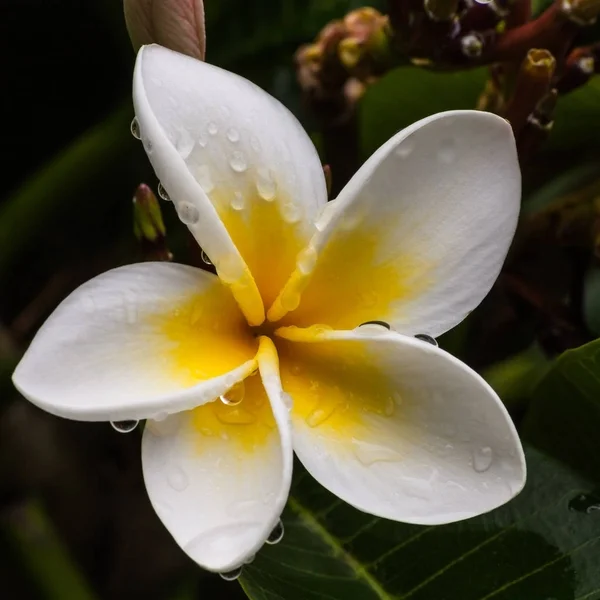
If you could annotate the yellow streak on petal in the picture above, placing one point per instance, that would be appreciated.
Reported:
(248, 425)
(351, 285)
(207, 336)
(266, 241)
(336, 386)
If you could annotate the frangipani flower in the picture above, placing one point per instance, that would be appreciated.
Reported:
(235, 372)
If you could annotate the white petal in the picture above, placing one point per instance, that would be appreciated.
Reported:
(135, 342)
(419, 235)
(397, 427)
(219, 488)
(235, 155)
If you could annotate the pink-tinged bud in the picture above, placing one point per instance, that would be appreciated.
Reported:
(174, 24)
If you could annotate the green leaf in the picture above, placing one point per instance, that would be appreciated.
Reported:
(591, 300)
(541, 546)
(577, 119)
(408, 94)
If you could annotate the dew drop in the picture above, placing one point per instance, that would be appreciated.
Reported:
(375, 326)
(163, 193)
(233, 135)
(276, 535)
(135, 129)
(235, 415)
(307, 260)
(426, 338)
(177, 479)
(124, 426)
(185, 143)
(238, 162)
(232, 575)
(234, 395)
(471, 45)
(266, 185)
(585, 503)
(369, 453)
(482, 459)
(447, 151)
(319, 415)
(238, 202)
(213, 128)
(250, 560)
(205, 259)
(291, 212)
(204, 178)
(202, 140)
(405, 149)
(188, 213)
(389, 407)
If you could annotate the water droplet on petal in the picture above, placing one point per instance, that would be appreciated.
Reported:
(235, 415)
(135, 129)
(238, 162)
(291, 212)
(426, 338)
(163, 193)
(369, 453)
(266, 184)
(405, 149)
(277, 534)
(202, 140)
(185, 143)
(447, 151)
(188, 213)
(232, 575)
(205, 259)
(374, 327)
(319, 415)
(238, 202)
(124, 426)
(482, 459)
(250, 560)
(234, 395)
(307, 260)
(177, 479)
(213, 128)
(204, 178)
(389, 407)
(233, 135)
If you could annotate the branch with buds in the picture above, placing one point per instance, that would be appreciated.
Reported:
(532, 61)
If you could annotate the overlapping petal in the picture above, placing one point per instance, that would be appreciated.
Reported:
(137, 341)
(242, 172)
(219, 476)
(418, 236)
(397, 427)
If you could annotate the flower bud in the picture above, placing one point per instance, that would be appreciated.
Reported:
(174, 24)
